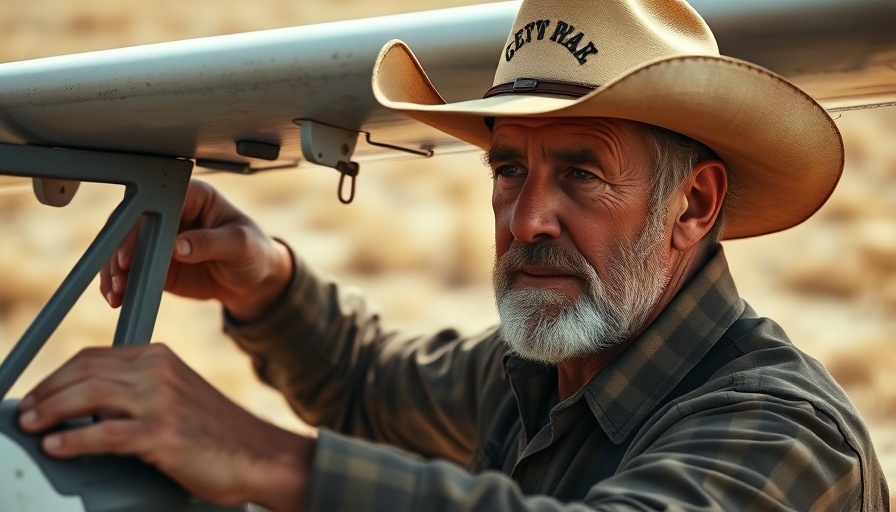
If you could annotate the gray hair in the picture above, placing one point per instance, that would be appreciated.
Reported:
(674, 156)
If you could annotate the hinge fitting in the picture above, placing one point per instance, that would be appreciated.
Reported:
(331, 146)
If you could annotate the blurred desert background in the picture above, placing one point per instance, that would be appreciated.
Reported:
(418, 238)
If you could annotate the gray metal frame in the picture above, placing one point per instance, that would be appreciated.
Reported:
(155, 188)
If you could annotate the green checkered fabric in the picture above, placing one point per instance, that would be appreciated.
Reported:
(711, 408)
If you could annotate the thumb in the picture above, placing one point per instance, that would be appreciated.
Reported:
(223, 243)
(183, 248)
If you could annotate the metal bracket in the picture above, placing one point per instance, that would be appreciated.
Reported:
(331, 146)
(327, 145)
(155, 188)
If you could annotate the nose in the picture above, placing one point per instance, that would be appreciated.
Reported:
(536, 212)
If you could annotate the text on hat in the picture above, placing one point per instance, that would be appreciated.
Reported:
(561, 36)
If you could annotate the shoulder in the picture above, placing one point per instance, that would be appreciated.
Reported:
(769, 363)
(773, 389)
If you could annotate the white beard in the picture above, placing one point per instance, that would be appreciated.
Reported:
(544, 325)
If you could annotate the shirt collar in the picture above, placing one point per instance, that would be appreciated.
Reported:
(633, 383)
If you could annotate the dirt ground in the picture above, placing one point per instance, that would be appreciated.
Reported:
(418, 238)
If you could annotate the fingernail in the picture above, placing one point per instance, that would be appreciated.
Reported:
(116, 284)
(29, 417)
(183, 247)
(109, 297)
(53, 442)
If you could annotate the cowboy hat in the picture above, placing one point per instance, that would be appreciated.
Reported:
(656, 62)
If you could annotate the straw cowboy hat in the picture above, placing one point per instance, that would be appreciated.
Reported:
(653, 61)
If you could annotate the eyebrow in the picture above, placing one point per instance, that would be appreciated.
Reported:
(570, 156)
(500, 153)
(577, 156)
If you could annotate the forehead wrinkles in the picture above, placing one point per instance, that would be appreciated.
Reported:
(622, 134)
(617, 145)
(622, 144)
(612, 136)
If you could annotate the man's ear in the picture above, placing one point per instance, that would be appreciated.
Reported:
(699, 202)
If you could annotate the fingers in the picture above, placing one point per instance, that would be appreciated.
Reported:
(95, 397)
(110, 383)
(109, 363)
(230, 243)
(115, 436)
(114, 274)
(211, 231)
(93, 383)
(157, 408)
(114, 277)
(106, 286)
(212, 228)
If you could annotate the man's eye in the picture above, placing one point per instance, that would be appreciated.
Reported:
(581, 174)
(507, 171)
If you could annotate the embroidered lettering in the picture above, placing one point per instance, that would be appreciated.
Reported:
(561, 32)
(561, 36)
(529, 27)
(518, 39)
(538, 27)
(572, 44)
(582, 55)
(541, 26)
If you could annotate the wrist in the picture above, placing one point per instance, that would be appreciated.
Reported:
(282, 486)
(251, 306)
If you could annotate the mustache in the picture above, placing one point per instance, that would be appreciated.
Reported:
(548, 253)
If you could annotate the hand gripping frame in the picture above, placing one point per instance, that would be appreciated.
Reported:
(155, 188)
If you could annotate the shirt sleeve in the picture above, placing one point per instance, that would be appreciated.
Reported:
(353, 475)
(328, 353)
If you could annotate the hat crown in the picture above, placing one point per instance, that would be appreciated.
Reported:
(594, 42)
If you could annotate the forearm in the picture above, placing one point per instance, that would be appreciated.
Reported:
(303, 343)
(325, 350)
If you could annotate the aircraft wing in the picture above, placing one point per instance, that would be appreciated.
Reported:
(201, 98)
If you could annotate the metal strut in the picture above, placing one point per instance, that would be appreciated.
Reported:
(155, 188)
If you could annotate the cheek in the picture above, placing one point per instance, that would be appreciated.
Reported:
(503, 213)
(598, 237)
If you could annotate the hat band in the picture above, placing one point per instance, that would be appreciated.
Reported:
(534, 86)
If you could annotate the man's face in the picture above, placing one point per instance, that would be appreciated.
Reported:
(580, 258)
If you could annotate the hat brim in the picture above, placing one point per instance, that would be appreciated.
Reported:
(783, 151)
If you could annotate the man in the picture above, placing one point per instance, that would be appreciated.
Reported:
(626, 373)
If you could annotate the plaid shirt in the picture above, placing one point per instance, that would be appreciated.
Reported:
(711, 408)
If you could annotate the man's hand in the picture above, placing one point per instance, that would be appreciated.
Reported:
(220, 253)
(152, 405)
